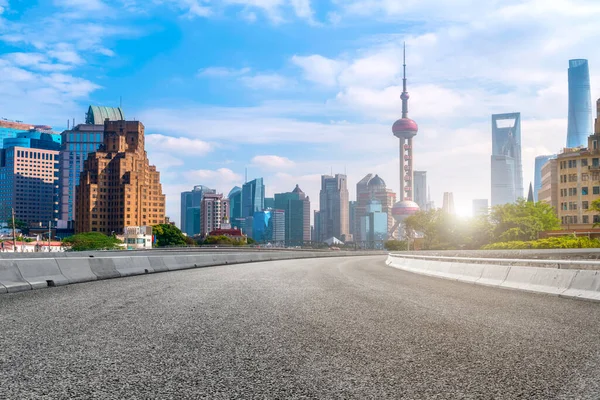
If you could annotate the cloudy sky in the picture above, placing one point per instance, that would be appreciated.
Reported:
(292, 89)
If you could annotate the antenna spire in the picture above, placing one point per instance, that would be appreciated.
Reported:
(404, 96)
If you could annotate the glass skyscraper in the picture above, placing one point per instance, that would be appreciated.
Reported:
(296, 206)
(253, 197)
(506, 165)
(580, 104)
(537, 178)
(235, 207)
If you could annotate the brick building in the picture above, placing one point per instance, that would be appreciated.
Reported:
(118, 187)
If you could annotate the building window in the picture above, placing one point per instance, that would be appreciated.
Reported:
(596, 190)
(584, 205)
(586, 219)
(596, 219)
(595, 162)
(584, 162)
(585, 177)
(584, 191)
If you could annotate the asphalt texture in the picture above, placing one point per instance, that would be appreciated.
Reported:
(346, 328)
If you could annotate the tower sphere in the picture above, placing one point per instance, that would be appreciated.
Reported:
(405, 128)
(404, 209)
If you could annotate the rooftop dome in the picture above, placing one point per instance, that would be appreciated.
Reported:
(376, 181)
(405, 127)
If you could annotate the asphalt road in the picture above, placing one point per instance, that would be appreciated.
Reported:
(329, 328)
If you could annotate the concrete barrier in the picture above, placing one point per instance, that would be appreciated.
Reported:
(581, 284)
(41, 273)
(104, 268)
(157, 263)
(76, 270)
(585, 284)
(128, 266)
(11, 278)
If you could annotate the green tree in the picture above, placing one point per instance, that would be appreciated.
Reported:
(91, 241)
(168, 235)
(395, 245)
(595, 208)
(522, 221)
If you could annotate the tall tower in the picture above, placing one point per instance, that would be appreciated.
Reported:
(405, 129)
(580, 104)
(506, 166)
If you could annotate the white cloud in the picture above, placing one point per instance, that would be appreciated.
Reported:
(267, 82)
(272, 162)
(220, 178)
(178, 145)
(319, 69)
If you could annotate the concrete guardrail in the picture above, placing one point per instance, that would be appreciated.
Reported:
(26, 273)
(540, 276)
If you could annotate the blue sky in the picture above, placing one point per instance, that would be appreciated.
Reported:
(292, 89)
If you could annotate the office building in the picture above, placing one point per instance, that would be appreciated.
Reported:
(578, 184)
(269, 227)
(420, 188)
(191, 203)
(352, 219)
(269, 202)
(480, 207)
(334, 216)
(580, 104)
(77, 143)
(296, 206)
(537, 177)
(253, 197)
(316, 237)
(29, 177)
(235, 207)
(549, 191)
(118, 187)
(506, 166)
(10, 129)
(368, 189)
(448, 203)
(374, 226)
(214, 211)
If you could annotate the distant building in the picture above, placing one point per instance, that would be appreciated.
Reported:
(549, 191)
(235, 207)
(296, 206)
(374, 226)
(316, 237)
(506, 165)
(253, 197)
(578, 183)
(191, 203)
(480, 207)
(334, 218)
(372, 188)
(580, 104)
(269, 203)
(10, 129)
(214, 210)
(231, 233)
(29, 170)
(137, 237)
(118, 187)
(352, 223)
(448, 204)
(537, 178)
(420, 188)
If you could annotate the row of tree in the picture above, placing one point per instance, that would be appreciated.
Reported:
(521, 221)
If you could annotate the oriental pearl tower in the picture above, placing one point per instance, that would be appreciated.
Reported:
(405, 129)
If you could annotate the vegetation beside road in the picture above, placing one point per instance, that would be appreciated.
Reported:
(562, 242)
(92, 241)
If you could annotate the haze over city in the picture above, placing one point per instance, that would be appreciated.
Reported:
(292, 90)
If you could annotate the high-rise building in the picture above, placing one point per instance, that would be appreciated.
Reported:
(506, 166)
(334, 216)
(421, 189)
(10, 129)
(253, 197)
(352, 218)
(580, 104)
(374, 226)
(549, 191)
(118, 187)
(191, 203)
(77, 143)
(316, 237)
(448, 204)
(296, 206)
(537, 177)
(269, 227)
(405, 129)
(579, 182)
(269, 202)
(214, 211)
(480, 207)
(368, 189)
(235, 207)
(29, 176)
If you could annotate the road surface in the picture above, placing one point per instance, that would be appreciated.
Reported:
(326, 328)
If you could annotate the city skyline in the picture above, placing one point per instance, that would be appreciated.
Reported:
(306, 106)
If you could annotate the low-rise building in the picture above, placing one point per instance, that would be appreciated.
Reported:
(137, 237)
